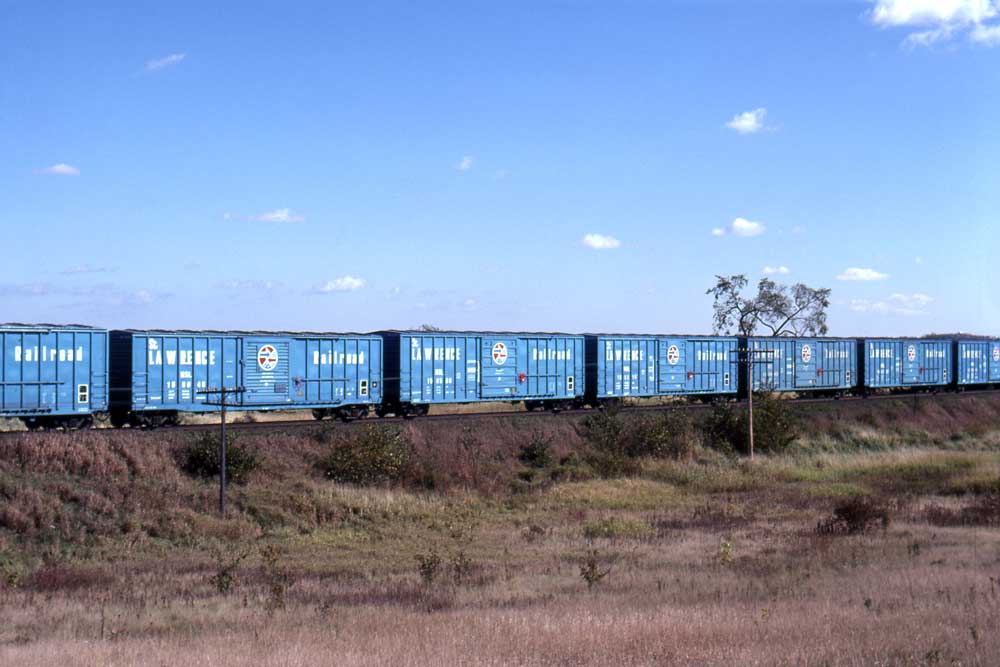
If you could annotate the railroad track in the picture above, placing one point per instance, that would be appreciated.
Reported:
(295, 424)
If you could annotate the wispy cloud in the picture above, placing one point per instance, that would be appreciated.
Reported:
(85, 268)
(342, 284)
(167, 61)
(740, 227)
(855, 273)
(30, 289)
(251, 285)
(465, 164)
(600, 241)
(281, 215)
(748, 122)
(938, 21)
(59, 170)
(776, 271)
(896, 304)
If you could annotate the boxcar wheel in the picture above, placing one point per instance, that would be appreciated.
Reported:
(319, 414)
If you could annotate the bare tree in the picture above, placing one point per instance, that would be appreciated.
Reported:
(782, 310)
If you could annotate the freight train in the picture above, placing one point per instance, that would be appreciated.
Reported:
(74, 376)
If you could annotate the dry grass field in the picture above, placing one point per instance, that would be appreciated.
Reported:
(873, 540)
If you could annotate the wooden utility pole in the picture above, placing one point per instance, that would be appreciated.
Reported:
(222, 393)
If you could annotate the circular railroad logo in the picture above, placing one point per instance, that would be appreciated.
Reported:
(996, 354)
(673, 355)
(267, 357)
(911, 352)
(499, 354)
(807, 354)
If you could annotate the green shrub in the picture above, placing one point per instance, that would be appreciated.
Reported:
(537, 453)
(378, 455)
(856, 515)
(723, 429)
(201, 457)
(775, 426)
(670, 434)
(608, 454)
(572, 468)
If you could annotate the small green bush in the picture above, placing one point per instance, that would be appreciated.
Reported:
(775, 425)
(723, 429)
(201, 457)
(856, 515)
(537, 453)
(378, 455)
(608, 452)
(670, 434)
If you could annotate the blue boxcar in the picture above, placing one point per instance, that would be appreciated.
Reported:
(907, 362)
(623, 365)
(465, 367)
(978, 361)
(53, 375)
(803, 364)
(161, 372)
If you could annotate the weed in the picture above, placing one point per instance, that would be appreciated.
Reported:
(225, 572)
(725, 554)
(590, 569)
(278, 577)
(461, 567)
(428, 565)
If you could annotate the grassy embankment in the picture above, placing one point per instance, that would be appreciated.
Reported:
(111, 553)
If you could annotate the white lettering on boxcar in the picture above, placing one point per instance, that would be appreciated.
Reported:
(47, 354)
(183, 357)
(435, 354)
(551, 355)
(338, 358)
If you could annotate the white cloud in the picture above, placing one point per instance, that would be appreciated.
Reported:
(740, 227)
(343, 284)
(280, 215)
(987, 35)
(929, 12)
(500, 175)
(59, 170)
(748, 122)
(600, 241)
(855, 273)
(465, 164)
(253, 285)
(916, 300)
(776, 270)
(940, 20)
(167, 61)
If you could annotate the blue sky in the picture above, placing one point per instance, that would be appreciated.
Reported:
(576, 166)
